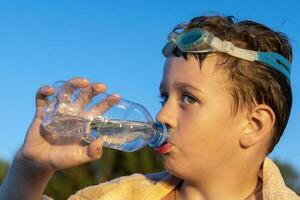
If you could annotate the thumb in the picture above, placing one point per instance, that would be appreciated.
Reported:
(95, 149)
(89, 153)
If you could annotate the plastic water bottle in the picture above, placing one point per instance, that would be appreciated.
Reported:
(124, 125)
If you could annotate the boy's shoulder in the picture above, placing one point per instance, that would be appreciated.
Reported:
(274, 187)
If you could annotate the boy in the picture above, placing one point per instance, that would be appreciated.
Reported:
(226, 99)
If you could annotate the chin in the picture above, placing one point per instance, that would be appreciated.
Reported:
(171, 166)
(181, 169)
(168, 162)
(175, 172)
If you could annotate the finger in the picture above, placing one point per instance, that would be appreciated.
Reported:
(94, 151)
(65, 91)
(103, 106)
(79, 82)
(41, 98)
(99, 87)
(87, 93)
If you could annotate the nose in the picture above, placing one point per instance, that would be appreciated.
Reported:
(167, 115)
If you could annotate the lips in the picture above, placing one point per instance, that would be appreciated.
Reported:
(163, 148)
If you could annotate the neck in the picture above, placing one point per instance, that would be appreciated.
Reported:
(223, 186)
(217, 192)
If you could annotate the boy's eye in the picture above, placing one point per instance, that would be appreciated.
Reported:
(187, 99)
(163, 98)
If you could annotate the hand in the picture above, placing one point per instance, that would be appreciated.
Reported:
(46, 150)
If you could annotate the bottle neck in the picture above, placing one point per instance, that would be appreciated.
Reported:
(160, 135)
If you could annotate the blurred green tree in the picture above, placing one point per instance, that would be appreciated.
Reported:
(3, 169)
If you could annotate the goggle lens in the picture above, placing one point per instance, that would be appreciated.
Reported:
(190, 38)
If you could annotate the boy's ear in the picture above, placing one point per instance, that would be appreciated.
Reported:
(260, 121)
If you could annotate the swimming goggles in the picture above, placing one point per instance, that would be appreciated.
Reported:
(197, 40)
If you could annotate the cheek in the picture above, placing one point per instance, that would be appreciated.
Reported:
(203, 134)
(190, 133)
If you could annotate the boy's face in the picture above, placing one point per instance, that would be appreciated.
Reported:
(197, 110)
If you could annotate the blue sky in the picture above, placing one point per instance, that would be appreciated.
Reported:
(116, 42)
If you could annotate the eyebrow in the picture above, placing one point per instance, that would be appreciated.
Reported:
(180, 85)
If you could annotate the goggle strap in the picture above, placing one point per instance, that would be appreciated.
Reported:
(229, 48)
(274, 60)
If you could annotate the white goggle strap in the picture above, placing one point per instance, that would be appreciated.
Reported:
(229, 48)
(270, 58)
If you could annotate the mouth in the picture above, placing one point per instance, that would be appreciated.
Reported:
(164, 148)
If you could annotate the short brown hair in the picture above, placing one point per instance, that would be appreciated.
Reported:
(251, 83)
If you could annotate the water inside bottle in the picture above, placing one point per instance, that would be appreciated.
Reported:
(122, 134)
(66, 125)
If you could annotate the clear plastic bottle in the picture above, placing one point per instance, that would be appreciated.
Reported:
(124, 125)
